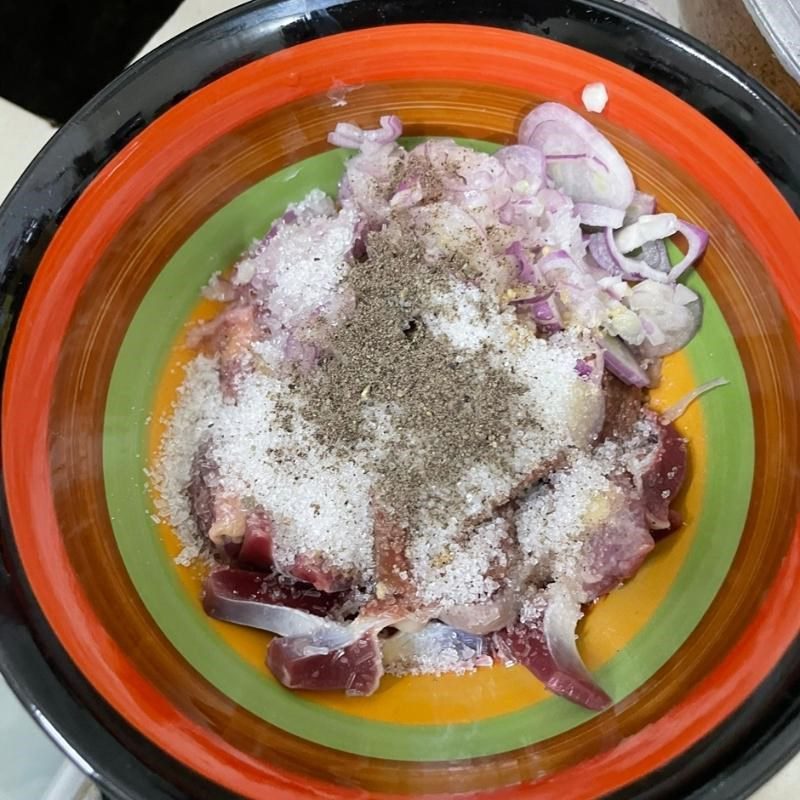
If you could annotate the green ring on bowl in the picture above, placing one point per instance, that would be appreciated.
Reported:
(151, 334)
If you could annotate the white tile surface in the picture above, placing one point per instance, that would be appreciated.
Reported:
(668, 9)
(22, 135)
(26, 777)
(186, 15)
(26, 770)
(784, 786)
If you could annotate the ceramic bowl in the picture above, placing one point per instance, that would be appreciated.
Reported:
(164, 179)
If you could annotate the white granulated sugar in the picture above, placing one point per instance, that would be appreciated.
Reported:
(319, 502)
(309, 266)
(315, 204)
(434, 650)
(533, 608)
(568, 409)
(270, 351)
(198, 399)
(270, 456)
(554, 520)
(458, 315)
(454, 572)
(189, 554)
(300, 269)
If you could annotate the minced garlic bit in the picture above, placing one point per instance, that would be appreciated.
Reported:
(594, 97)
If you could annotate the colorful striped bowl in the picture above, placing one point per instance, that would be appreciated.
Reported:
(170, 185)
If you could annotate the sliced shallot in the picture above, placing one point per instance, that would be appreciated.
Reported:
(620, 361)
(679, 409)
(526, 167)
(597, 216)
(580, 160)
(527, 270)
(697, 240)
(642, 203)
(647, 228)
(608, 256)
(544, 312)
(352, 136)
(546, 646)
(670, 315)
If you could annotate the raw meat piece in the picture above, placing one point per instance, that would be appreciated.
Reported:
(229, 586)
(299, 662)
(623, 408)
(313, 568)
(617, 550)
(256, 549)
(394, 584)
(229, 337)
(663, 479)
(218, 517)
(546, 646)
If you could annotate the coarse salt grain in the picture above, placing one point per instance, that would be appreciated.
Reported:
(555, 520)
(434, 650)
(457, 573)
(191, 419)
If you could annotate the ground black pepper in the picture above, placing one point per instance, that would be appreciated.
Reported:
(449, 408)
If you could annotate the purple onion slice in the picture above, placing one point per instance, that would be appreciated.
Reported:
(580, 160)
(620, 361)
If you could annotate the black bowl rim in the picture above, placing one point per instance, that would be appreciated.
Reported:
(736, 758)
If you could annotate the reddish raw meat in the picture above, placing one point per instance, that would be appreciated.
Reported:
(312, 568)
(229, 337)
(229, 585)
(299, 663)
(617, 550)
(218, 516)
(623, 408)
(546, 646)
(203, 479)
(392, 569)
(663, 479)
(256, 549)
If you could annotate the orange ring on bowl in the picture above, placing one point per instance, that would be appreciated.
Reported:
(400, 52)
